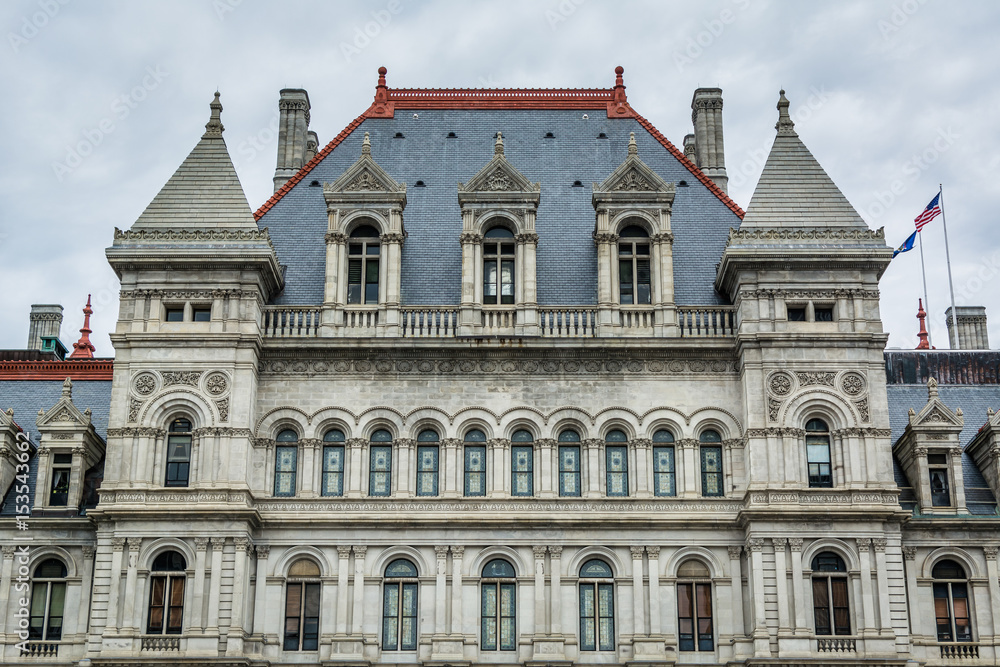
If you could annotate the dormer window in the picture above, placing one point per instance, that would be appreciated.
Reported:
(61, 468)
(937, 469)
(498, 266)
(362, 267)
(633, 266)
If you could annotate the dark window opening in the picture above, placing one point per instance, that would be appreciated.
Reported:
(314, 184)
(498, 266)
(602, 135)
(202, 314)
(818, 454)
(363, 266)
(682, 184)
(577, 184)
(824, 314)
(549, 135)
(419, 184)
(175, 315)
(178, 453)
(796, 314)
(399, 135)
(451, 135)
(940, 494)
(634, 279)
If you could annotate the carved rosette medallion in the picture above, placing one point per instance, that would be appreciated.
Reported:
(144, 384)
(216, 384)
(853, 384)
(780, 384)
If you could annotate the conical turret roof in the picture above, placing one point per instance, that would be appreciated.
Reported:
(204, 192)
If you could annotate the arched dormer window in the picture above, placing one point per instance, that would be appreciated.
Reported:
(399, 606)
(48, 600)
(712, 483)
(818, 454)
(286, 455)
(166, 594)
(178, 452)
(951, 602)
(302, 605)
(363, 250)
(831, 610)
(597, 606)
(428, 456)
(333, 462)
(380, 464)
(634, 278)
(499, 605)
(616, 462)
(498, 266)
(569, 463)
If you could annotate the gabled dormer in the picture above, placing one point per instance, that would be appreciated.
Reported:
(930, 452)
(9, 449)
(499, 205)
(68, 447)
(635, 271)
(985, 450)
(364, 244)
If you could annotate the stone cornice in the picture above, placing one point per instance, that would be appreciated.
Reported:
(804, 235)
(214, 236)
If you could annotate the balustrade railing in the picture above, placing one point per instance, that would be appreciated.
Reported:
(959, 651)
(360, 321)
(837, 645)
(706, 321)
(287, 321)
(41, 650)
(429, 321)
(159, 643)
(636, 319)
(499, 321)
(570, 322)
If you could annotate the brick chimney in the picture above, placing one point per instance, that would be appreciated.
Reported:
(706, 114)
(44, 320)
(293, 134)
(971, 328)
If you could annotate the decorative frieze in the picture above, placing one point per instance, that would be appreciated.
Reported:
(181, 377)
(815, 378)
(191, 235)
(805, 234)
(373, 508)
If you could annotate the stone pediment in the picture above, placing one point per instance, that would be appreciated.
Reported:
(633, 181)
(935, 413)
(64, 413)
(498, 179)
(363, 177)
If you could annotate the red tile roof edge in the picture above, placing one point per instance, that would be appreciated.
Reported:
(695, 171)
(91, 369)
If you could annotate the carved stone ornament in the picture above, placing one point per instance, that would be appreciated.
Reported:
(853, 384)
(217, 384)
(862, 406)
(365, 182)
(820, 378)
(185, 377)
(734, 552)
(498, 181)
(773, 408)
(134, 407)
(144, 384)
(780, 384)
(223, 406)
(909, 553)
(633, 180)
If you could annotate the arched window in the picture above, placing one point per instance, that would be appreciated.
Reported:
(616, 462)
(830, 595)
(48, 600)
(399, 606)
(427, 463)
(664, 470)
(569, 463)
(711, 464)
(951, 602)
(818, 454)
(694, 607)
(475, 463)
(166, 594)
(597, 606)
(362, 265)
(499, 606)
(522, 463)
(178, 452)
(633, 266)
(333, 463)
(380, 467)
(302, 606)
(498, 266)
(286, 455)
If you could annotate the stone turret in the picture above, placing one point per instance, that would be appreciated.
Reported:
(706, 115)
(294, 137)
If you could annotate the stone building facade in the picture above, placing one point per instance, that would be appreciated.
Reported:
(500, 377)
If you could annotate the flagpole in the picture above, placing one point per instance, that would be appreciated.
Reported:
(923, 272)
(952, 337)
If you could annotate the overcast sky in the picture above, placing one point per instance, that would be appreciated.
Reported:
(104, 101)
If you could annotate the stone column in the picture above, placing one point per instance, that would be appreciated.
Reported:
(198, 594)
(128, 609)
(343, 562)
(990, 553)
(688, 449)
(798, 587)
(117, 546)
(736, 590)
(451, 466)
(912, 593)
(359, 590)
(457, 615)
(440, 584)
(405, 478)
(638, 606)
(868, 602)
(234, 644)
(655, 620)
(555, 564)
(781, 581)
(527, 245)
(471, 243)
(642, 448)
(540, 625)
(755, 546)
(546, 448)
(335, 243)
(882, 578)
(592, 449)
(5, 576)
(215, 584)
(356, 452)
(86, 589)
(494, 468)
(308, 489)
(260, 590)
(605, 267)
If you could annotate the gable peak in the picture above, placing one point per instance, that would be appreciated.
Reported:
(784, 124)
(214, 127)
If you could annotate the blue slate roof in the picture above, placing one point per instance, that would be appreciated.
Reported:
(27, 397)
(974, 400)
(566, 259)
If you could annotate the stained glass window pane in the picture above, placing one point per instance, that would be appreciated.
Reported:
(475, 471)
(381, 467)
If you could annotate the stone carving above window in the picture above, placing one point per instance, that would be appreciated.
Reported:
(366, 181)
(633, 180)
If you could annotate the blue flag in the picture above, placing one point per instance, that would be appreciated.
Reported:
(906, 245)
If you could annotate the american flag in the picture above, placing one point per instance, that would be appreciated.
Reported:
(932, 211)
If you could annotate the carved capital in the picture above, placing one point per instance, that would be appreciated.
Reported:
(864, 544)
(200, 543)
(755, 544)
(343, 552)
(405, 443)
(242, 544)
(393, 237)
(779, 542)
(117, 543)
(538, 551)
(642, 443)
(653, 552)
(501, 443)
(605, 237)
(470, 238)
(909, 553)
(356, 443)
(457, 552)
(359, 552)
(527, 237)
(734, 552)
(637, 552)
(8, 550)
(795, 543)
(335, 237)
(990, 553)
(88, 551)
(879, 544)
(555, 552)
(687, 443)
(441, 552)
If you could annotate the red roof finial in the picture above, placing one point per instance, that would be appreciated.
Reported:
(619, 103)
(83, 348)
(381, 107)
(922, 335)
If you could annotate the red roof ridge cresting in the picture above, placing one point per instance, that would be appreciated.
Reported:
(89, 369)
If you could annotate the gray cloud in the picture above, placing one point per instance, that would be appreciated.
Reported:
(894, 77)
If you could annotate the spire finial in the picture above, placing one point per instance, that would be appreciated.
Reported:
(67, 390)
(932, 389)
(924, 344)
(785, 124)
(83, 348)
(498, 147)
(633, 148)
(366, 145)
(214, 128)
